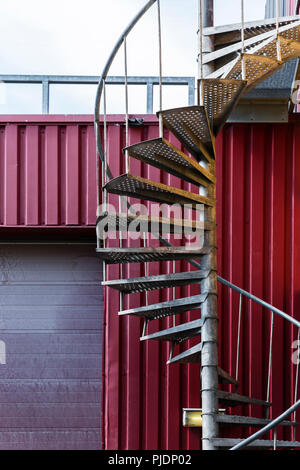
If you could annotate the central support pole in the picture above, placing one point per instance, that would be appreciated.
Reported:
(209, 331)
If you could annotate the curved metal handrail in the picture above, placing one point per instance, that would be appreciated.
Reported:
(101, 81)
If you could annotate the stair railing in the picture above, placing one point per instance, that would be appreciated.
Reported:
(106, 174)
(101, 152)
(275, 312)
(273, 425)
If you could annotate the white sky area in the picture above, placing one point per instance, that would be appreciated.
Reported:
(72, 37)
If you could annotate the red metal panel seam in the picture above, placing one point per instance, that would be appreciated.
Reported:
(32, 176)
(51, 168)
(72, 176)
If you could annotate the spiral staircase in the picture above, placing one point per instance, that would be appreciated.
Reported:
(263, 51)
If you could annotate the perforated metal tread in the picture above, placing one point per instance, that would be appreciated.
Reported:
(191, 127)
(235, 420)
(292, 32)
(259, 443)
(141, 188)
(141, 255)
(235, 399)
(258, 68)
(177, 334)
(143, 224)
(165, 156)
(190, 356)
(220, 96)
(149, 283)
(165, 309)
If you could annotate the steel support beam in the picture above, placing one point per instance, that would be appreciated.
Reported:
(209, 333)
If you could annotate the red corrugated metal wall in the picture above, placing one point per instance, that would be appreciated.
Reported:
(258, 238)
(47, 174)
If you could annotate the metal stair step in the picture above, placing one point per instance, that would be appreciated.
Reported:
(165, 309)
(227, 39)
(190, 356)
(191, 127)
(292, 32)
(141, 188)
(235, 399)
(139, 223)
(220, 96)
(259, 443)
(248, 421)
(226, 378)
(144, 255)
(165, 156)
(193, 355)
(163, 281)
(177, 334)
(289, 49)
(258, 68)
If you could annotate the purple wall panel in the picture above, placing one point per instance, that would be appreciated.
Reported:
(51, 303)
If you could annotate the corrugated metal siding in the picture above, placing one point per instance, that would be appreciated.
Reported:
(259, 249)
(287, 8)
(258, 238)
(47, 171)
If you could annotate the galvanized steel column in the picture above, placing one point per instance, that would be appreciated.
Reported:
(209, 332)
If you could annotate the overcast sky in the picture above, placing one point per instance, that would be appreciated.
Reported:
(72, 37)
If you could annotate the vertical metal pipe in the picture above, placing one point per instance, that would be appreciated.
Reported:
(207, 41)
(277, 32)
(209, 332)
(200, 52)
(104, 171)
(296, 384)
(174, 292)
(161, 128)
(270, 362)
(149, 98)
(104, 163)
(46, 94)
(275, 439)
(238, 339)
(126, 106)
(121, 245)
(200, 40)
